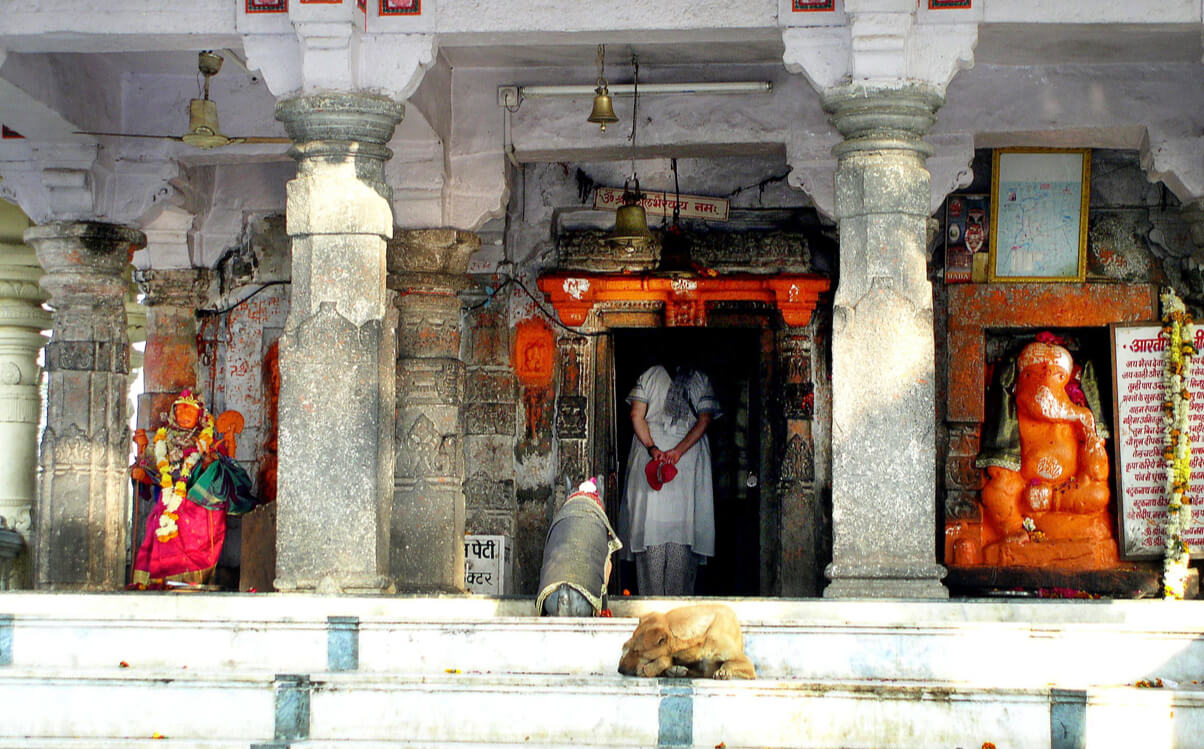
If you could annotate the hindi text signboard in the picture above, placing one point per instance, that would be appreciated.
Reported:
(488, 564)
(661, 204)
(1137, 367)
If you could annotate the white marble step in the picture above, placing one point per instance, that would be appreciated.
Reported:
(1011, 644)
(496, 710)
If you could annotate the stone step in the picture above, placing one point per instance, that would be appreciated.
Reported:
(556, 710)
(1019, 644)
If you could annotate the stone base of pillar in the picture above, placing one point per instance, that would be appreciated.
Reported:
(885, 581)
(428, 531)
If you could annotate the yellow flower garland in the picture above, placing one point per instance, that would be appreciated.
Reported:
(168, 529)
(1176, 450)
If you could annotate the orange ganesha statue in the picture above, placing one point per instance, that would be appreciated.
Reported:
(1051, 507)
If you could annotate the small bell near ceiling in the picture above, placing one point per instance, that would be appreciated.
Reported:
(604, 111)
(631, 231)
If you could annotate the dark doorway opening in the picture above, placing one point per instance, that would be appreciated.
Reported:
(731, 357)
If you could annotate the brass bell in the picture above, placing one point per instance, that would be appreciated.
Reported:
(631, 222)
(604, 110)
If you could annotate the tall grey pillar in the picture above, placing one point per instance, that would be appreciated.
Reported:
(81, 517)
(21, 321)
(427, 269)
(335, 475)
(883, 443)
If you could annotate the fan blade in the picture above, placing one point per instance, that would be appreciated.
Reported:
(262, 139)
(131, 135)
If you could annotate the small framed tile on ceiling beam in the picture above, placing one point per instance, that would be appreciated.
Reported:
(401, 7)
(267, 6)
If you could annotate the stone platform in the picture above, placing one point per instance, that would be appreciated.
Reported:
(267, 670)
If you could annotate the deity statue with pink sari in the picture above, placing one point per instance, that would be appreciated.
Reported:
(194, 483)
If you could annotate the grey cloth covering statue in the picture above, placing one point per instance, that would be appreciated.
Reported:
(576, 556)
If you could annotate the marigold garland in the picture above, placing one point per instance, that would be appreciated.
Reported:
(1177, 327)
(174, 490)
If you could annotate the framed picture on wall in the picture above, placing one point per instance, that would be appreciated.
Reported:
(965, 238)
(1039, 199)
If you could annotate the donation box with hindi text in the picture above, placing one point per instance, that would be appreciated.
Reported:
(488, 564)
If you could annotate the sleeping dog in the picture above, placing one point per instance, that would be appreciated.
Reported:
(700, 642)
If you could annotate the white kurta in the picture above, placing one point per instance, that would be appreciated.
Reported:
(683, 511)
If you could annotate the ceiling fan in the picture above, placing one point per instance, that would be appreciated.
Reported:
(203, 130)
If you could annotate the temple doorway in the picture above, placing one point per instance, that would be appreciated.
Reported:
(732, 358)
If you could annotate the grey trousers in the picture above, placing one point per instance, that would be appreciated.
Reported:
(666, 570)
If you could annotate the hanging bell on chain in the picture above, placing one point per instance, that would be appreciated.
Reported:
(604, 109)
(631, 231)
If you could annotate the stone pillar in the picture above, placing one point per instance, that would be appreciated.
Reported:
(80, 524)
(336, 357)
(490, 419)
(576, 357)
(170, 358)
(427, 270)
(883, 405)
(802, 518)
(21, 321)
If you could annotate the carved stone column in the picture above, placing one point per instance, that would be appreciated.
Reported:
(883, 444)
(336, 357)
(576, 357)
(21, 321)
(81, 519)
(427, 269)
(801, 516)
(170, 358)
(490, 418)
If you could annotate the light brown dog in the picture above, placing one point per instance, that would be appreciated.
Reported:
(700, 642)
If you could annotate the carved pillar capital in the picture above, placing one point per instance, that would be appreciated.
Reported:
(182, 287)
(431, 259)
(882, 119)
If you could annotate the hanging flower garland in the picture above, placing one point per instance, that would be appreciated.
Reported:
(174, 490)
(1179, 331)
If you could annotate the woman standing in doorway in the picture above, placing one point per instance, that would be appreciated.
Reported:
(667, 519)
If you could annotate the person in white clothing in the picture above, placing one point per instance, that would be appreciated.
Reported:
(667, 518)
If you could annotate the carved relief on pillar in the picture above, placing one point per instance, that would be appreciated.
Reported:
(492, 505)
(962, 479)
(570, 417)
(428, 326)
(80, 523)
(429, 446)
(576, 392)
(430, 381)
(798, 462)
